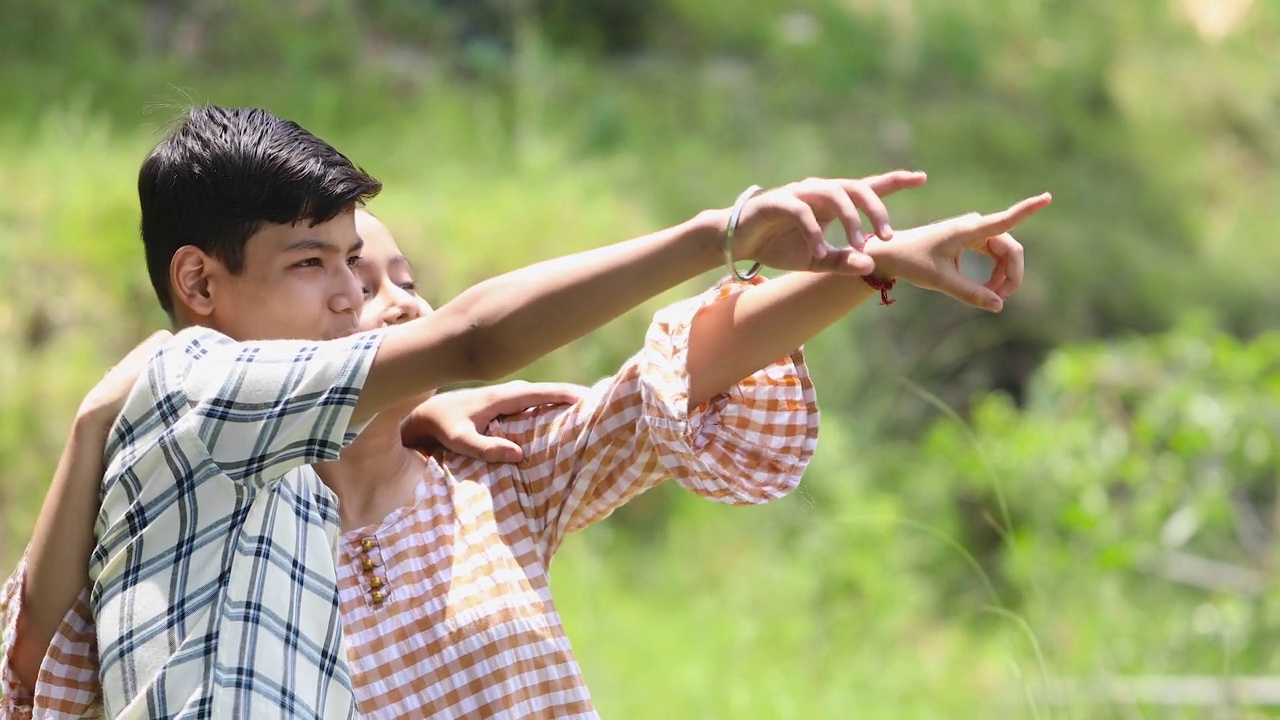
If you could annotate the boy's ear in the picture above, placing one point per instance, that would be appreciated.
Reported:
(189, 273)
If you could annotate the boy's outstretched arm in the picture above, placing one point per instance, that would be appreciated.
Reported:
(507, 322)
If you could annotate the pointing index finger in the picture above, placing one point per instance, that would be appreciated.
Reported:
(1006, 220)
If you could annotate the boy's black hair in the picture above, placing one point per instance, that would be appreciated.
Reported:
(223, 173)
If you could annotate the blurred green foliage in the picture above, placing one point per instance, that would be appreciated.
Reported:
(1082, 486)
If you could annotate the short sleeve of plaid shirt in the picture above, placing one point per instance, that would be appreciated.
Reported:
(268, 406)
(633, 430)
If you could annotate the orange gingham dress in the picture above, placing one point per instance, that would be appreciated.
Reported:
(447, 604)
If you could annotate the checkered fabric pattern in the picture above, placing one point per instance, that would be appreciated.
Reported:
(214, 588)
(67, 686)
(447, 605)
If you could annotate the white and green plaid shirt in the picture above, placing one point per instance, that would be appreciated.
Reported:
(214, 580)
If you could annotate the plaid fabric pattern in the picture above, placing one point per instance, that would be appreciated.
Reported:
(447, 605)
(213, 581)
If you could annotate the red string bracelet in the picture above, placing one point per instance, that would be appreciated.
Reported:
(884, 286)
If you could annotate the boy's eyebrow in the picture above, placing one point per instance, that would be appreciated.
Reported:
(322, 245)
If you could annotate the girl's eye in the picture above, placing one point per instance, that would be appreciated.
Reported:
(410, 286)
(365, 290)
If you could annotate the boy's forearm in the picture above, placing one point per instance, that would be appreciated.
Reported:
(737, 336)
(58, 557)
(507, 322)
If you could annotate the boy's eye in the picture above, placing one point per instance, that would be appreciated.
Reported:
(311, 262)
(353, 261)
(365, 290)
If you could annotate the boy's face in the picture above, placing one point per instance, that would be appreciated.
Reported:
(297, 284)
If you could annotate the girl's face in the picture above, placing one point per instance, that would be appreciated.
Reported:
(390, 293)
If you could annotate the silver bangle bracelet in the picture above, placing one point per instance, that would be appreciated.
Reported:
(741, 202)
